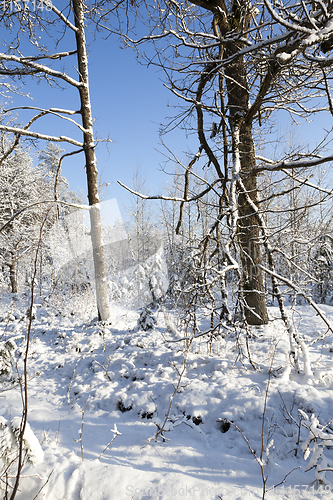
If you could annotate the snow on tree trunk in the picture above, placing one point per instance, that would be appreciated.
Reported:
(91, 168)
(249, 236)
(248, 233)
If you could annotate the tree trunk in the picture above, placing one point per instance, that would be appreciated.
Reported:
(12, 276)
(249, 233)
(249, 236)
(91, 168)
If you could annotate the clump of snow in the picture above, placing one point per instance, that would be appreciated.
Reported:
(31, 446)
(283, 57)
(10, 433)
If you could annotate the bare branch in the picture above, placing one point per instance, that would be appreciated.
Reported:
(168, 198)
(52, 111)
(75, 205)
(62, 17)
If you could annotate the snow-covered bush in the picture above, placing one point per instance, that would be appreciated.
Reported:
(158, 275)
(322, 263)
(140, 284)
(10, 440)
(147, 320)
(67, 300)
(318, 443)
(7, 349)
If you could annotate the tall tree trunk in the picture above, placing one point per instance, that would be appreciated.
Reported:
(91, 165)
(249, 233)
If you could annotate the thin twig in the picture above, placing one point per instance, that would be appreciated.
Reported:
(25, 363)
(39, 491)
(116, 433)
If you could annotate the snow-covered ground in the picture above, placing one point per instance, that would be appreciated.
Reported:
(86, 380)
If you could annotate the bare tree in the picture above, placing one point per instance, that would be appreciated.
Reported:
(235, 65)
(141, 221)
(42, 26)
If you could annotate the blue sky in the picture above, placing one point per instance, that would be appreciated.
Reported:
(129, 102)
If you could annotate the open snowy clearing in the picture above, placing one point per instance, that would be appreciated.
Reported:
(85, 379)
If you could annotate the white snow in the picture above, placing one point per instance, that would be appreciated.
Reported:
(35, 454)
(90, 383)
(284, 57)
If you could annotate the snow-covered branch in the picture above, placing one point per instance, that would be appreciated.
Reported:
(53, 111)
(167, 198)
(37, 135)
(291, 165)
(26, 63)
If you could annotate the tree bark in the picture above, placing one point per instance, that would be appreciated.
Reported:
(248, 227)
(249, 232)
(13, 277)
(249, 235)
(91, 164)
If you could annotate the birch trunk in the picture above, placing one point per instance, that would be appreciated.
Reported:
(91, 164)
